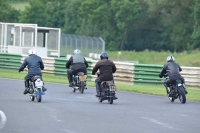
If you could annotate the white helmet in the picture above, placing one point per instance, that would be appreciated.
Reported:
(31, 51)
(170, 58)
(77, 51)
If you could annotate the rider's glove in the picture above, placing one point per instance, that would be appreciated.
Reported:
(20, 70)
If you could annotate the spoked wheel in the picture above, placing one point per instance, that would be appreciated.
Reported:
(82, 87)
(182, 96)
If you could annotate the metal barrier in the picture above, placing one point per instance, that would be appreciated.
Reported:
(124, 73)
(60, 67)
(127, 73)
(48, 64)
(147, 74)
(10, 61)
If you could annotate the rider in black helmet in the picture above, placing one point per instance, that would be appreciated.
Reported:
(172, 70)
(106, 68)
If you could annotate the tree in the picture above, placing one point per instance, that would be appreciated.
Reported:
(7, 13)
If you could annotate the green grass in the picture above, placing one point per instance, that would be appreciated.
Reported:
(19, 5)
(152, 57)
(194, 92)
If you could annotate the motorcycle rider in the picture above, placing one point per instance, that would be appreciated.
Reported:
(75, 64)
(35, 65)
(172, 70)
(106, 68)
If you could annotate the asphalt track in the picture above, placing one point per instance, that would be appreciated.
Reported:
(63, 111)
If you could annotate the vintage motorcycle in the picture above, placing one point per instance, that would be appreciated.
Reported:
(108, 90)
(36, 88)
(79, 82)
(176, 90)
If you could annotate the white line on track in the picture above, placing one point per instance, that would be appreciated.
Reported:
(160, 123)
(3, 119)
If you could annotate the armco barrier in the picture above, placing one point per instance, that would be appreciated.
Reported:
(124, 73)
(48, 64)
(147, 74)
(127, 73)
(10, 61)
(60, 67)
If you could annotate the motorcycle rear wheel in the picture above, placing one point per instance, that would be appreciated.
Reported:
(182, 96)
(110, 100)
(82, 86)
(39, 95)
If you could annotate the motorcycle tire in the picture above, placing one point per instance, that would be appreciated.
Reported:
(73, 90)
(82, 86)
(39, 95)
(182, 96)
(100, 99)
(110, 100)
(32, 98)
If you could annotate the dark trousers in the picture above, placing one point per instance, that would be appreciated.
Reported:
(168, 81)
(28, 77)
(71, 72)
(98, 85)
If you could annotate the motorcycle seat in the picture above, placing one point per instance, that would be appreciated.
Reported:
(35, 78)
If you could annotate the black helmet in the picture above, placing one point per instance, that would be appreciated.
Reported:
(104, 55)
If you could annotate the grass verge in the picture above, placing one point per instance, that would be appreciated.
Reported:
(194, 92)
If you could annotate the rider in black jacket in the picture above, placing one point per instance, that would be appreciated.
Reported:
(75, 64)
(35, 65)
(172, 70)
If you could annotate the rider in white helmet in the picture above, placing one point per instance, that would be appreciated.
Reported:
(172, 70)
(35, 65)
(75, 64)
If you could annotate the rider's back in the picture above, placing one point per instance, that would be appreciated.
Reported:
(106, 68)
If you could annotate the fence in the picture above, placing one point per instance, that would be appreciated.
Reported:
(86, 44)
(127, 73)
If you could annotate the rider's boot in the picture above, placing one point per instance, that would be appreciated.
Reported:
(70, 80)
(98, 94)
(98, 90)
(26, 87)
(44, 89)
(186, 92)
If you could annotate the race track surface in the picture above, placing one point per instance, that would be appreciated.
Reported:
(63, 111)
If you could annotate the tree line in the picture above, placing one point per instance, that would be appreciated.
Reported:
(158, 25)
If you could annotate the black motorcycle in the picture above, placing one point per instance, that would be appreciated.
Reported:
(36, 88)
(176, 90)
(108, 90)
(79, 82)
